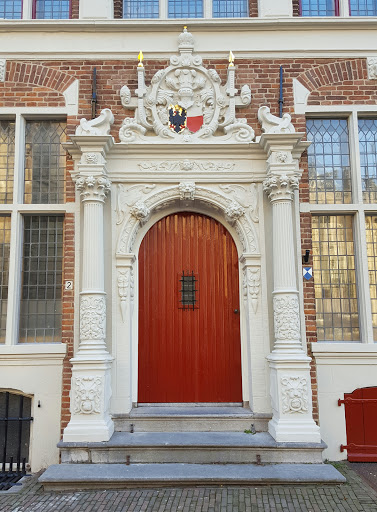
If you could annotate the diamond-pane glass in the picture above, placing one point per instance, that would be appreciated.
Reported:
(335, 278)
(141, 9)
(4, 272)
(318, 8)
(7, 133)
(52, 9)
(363, 7)
(185, 9)
(329, 161)
(44, 162)
(40, 311)
(11, 9)
(230, 8)
(368, 158)
(371, 233)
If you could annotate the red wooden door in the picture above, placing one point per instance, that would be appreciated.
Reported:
(189, 355)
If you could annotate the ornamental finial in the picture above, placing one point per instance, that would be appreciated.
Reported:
(231, 59)
(140, 57)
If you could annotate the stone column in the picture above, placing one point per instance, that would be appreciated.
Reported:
(90, 386)
(290, 381)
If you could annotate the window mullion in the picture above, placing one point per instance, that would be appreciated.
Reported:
(14, 287)
(164, 9)
(357, 193)
(27, 9)
(207, 8)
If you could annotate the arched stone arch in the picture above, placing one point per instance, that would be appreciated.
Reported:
(189, 197)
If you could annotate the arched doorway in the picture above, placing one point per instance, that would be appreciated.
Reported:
(189, 325)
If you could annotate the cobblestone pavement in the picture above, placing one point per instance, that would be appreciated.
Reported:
(353, 496)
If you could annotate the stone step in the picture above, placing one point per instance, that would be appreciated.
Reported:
(191, 447)
(118, 476)
(191, 419)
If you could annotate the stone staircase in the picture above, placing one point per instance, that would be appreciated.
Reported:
(159, 446)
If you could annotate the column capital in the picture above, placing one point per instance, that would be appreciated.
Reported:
(280, 187)
(93, 188)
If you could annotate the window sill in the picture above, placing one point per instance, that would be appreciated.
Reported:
(347, 353)
(37, 351)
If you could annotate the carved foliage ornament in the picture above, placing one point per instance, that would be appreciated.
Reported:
(280, 186)
(3, 68)
(372, 68)
(87, 397)
(294, 394)
(126, 285)
(251, 285)
(92, 318)
(186, 102)
(93, 187)
(186, 165)
(286, 317)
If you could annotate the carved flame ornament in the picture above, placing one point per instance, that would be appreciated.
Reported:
(186, 102)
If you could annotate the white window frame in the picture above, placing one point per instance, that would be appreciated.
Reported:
(358, 209)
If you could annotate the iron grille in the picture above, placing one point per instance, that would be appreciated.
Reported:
(15, 419)
(188, 291)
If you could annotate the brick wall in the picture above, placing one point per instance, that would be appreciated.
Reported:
(296, 7)
(253, 8)
(331, 81)
(75, 9)
(118, 9)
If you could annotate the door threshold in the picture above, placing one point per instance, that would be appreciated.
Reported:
(191, 404)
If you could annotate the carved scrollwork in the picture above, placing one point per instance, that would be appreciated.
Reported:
(3, 67)
(252, 285)
(93, 187)
(126, 286)
(87, 397)
(186, 165)
(246, 196)
(273, 124)
(372, 68)
(125, 96)
(286, 317)
(92, 317)
(126, 198)
(294, 394)
(101, 125)
(280, 186)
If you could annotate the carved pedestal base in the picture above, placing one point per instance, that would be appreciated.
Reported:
(90, 399)
(292, 420)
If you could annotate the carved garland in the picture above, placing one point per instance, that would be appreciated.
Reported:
(286, 317)
(92, 318)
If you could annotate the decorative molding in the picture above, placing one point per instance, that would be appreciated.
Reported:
(294, 393)
(87, 397)
(126, 198)
(3, 69)
(101, 125)
(286, 317)
(187, 190)
(251, 284)
(372, 68)
(273, 124)
(93, 188)
(280, 186)
(126, 289)
(91, 158)
(186, 165)
(92, 317)
(186, 84)
(247, 196)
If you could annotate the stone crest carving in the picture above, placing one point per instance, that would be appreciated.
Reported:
(93, 187)
(280, 186)
(186, 165)
(294, 394)
(126, 285)
(3, 68)
(92, 317)
(101, 125)
(87, 397)
(372, 68)
(273, 124)
(187, 190)
(286, 317)
(251, 285)
(210, 107)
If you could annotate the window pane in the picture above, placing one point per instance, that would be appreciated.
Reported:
(40, 316)
(11, 9)
(230, 8)
(6, 161)
(4, 272)
(335, 278)
(329, 161)
(52, 9)
(371, 233)
(44, 162)
(318, 8)
(185, 9)
(140, 9)
(363, 7)
(368, 158)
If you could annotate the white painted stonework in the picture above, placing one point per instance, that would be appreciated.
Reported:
(218, 171)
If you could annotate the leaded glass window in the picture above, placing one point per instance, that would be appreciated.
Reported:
(185, 9)
(140, 9)
(51, 9)
(329, 161)
(319, 8)
(11, 9)
(371, 235)
(40, 312)
(230, 8)
(4, 272)
(368, 158)
(335, 278)
(363, 7)
(7, 134)
(44, 162)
